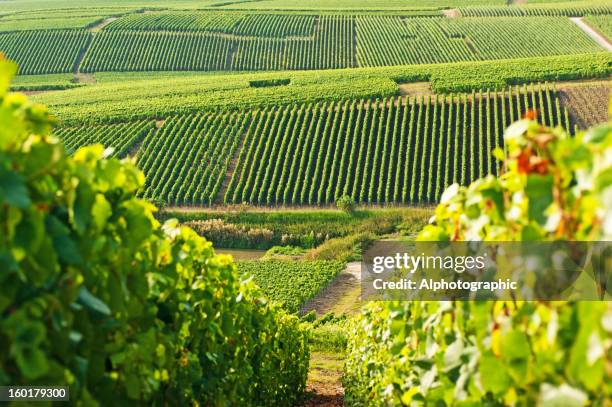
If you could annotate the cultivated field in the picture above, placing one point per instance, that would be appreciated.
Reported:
(298, 133)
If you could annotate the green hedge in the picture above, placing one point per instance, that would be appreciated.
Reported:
(97, 295)
(505, 352)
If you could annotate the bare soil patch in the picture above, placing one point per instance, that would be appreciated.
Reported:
(452, 13)
(415, 89)
(587, 102)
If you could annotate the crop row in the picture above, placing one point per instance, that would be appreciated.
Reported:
(603, 24)
(246, 48)
(291, 283)
(396, 41)
(45, 51)
(122, 137)
(186, 160)
(260, 25)
(234, 42)
(556, 11)
(389, 151)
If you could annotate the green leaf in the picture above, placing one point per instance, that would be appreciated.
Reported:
(515, 345)
(13, 189)
(100, 211)
(91, 302)
(8, 69)
(493, 375)
(32, 362)
(539, 191)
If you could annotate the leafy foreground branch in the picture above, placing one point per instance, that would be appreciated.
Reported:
(501, 353)
(97, 295)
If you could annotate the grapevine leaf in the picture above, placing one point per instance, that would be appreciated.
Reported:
(91, 302)
(13, 189)
(493, 374)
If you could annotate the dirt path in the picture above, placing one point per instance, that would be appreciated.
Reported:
(597, 37)
(98, 27)
(324, 386)
(342, 296)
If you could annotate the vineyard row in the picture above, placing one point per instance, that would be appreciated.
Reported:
(393, 150)
(281, 42)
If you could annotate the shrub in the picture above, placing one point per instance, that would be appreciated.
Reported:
(505, 352)
(96, 294)
(346, 204)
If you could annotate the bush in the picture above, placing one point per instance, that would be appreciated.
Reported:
(500, 353)
(231, 236)
(96, 294)
(345, 249)
(346, 204)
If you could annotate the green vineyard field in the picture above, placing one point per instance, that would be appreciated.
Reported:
(121, 137)
(384, 151)
(603, 24)
(291, 283)
(243, 43)
(45, 51)
(396, 41)
(389, 151)
(557, 11)
(119, 97)
(187, 159)
(239, 41)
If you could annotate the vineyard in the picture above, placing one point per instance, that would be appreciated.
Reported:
(41, 52)
(396, 41)
(535, 11)
(121, 137)
(391, 150)
(125, 97)
(239, 41)
(383, 151)
(187, 159)
(291, 283)
(191, 190)
(601, 23)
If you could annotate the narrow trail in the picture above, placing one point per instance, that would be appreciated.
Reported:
(597, 37)
(342, 296)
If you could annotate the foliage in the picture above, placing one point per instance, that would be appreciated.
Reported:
(121, 97)
(97, 295)
(232, 236)
(346, 249)
(515, 353)
(291, 283)
(284, 252)
(346, 204)
(546, 354)
(329, 337)
(234, 228)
